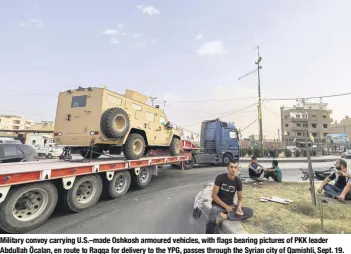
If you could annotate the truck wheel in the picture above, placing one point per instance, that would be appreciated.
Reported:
(190, 163)
(174, 148)
(226, 159)
(134, 147)
(115, 123)
(120, 184)
(143, 179)
(84, 194)
(27, 207)
(86, 153)
(50, 156)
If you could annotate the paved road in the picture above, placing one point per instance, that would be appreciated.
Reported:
(165, 206)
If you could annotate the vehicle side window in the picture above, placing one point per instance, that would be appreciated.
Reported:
(162, 121)
(150, 117)
(136, 107)
(27, 150)
(19, 151)
(10, 151)
(233, 135)
(79, 101)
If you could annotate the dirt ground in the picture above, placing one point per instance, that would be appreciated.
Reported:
(299, 217)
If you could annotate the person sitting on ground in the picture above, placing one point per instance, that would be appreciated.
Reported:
(275, 172)
(223, 193)
(342, 187)
(254, 172)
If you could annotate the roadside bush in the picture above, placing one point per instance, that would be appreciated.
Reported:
(243, 152)
(313, 152)
(297, 153)
(257, 152)
(249, 152)
(287, 153)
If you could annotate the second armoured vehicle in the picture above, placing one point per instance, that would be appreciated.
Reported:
(93, 120)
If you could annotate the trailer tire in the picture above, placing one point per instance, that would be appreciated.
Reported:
(134, 147)
(43, 204)
(123, 180)
(143, 179)
(190, 163)
(115, 123)
(90, 189)
(226, 159)
(174, 148)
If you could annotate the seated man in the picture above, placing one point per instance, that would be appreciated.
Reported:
(255, 173)
(224, 189)
(342, 187)
(275, 172)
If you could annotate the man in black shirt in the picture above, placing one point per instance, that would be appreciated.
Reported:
(342, 187)
(224, 189)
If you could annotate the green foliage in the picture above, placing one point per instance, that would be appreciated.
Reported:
(287, 153)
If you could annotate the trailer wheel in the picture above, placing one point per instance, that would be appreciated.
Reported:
(190, 163)
(226, 159)
(143, 179)
(115, 123)
(119, 185)
(84, 194)
(27, 207)
(174, 148)
(134, 147)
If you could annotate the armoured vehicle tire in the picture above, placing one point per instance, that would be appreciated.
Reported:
(174, 148)
(115, 123)
(134, 147)
(84, 194)
(120, 183)
(27, 207)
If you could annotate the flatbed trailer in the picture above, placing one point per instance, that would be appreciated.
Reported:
(30, 191)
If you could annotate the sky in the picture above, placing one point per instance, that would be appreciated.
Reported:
(187, 53)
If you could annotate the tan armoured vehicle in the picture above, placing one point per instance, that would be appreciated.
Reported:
(94, 120)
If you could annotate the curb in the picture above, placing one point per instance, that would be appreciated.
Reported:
(285, 160)
(201, 210)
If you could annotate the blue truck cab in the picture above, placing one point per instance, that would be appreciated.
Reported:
(219, 142)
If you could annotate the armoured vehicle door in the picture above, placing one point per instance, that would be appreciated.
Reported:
(162, 132)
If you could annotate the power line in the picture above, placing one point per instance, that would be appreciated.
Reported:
(249, 125)
(30, 93)
(228, 113)
(214, 100)
(307, 98)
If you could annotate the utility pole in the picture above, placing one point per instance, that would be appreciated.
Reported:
(259, 96)
(152, 100)
(259, 58)
(278, 135)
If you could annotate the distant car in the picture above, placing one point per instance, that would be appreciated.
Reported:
(17, 153)
(346, 154)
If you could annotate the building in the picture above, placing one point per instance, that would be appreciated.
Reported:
(43, 126)
(343, 127)
(312, 117)
(12, 122)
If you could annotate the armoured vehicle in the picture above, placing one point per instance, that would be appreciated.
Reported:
(93, 120)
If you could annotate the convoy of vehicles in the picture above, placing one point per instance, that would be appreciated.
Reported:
(92, 122)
